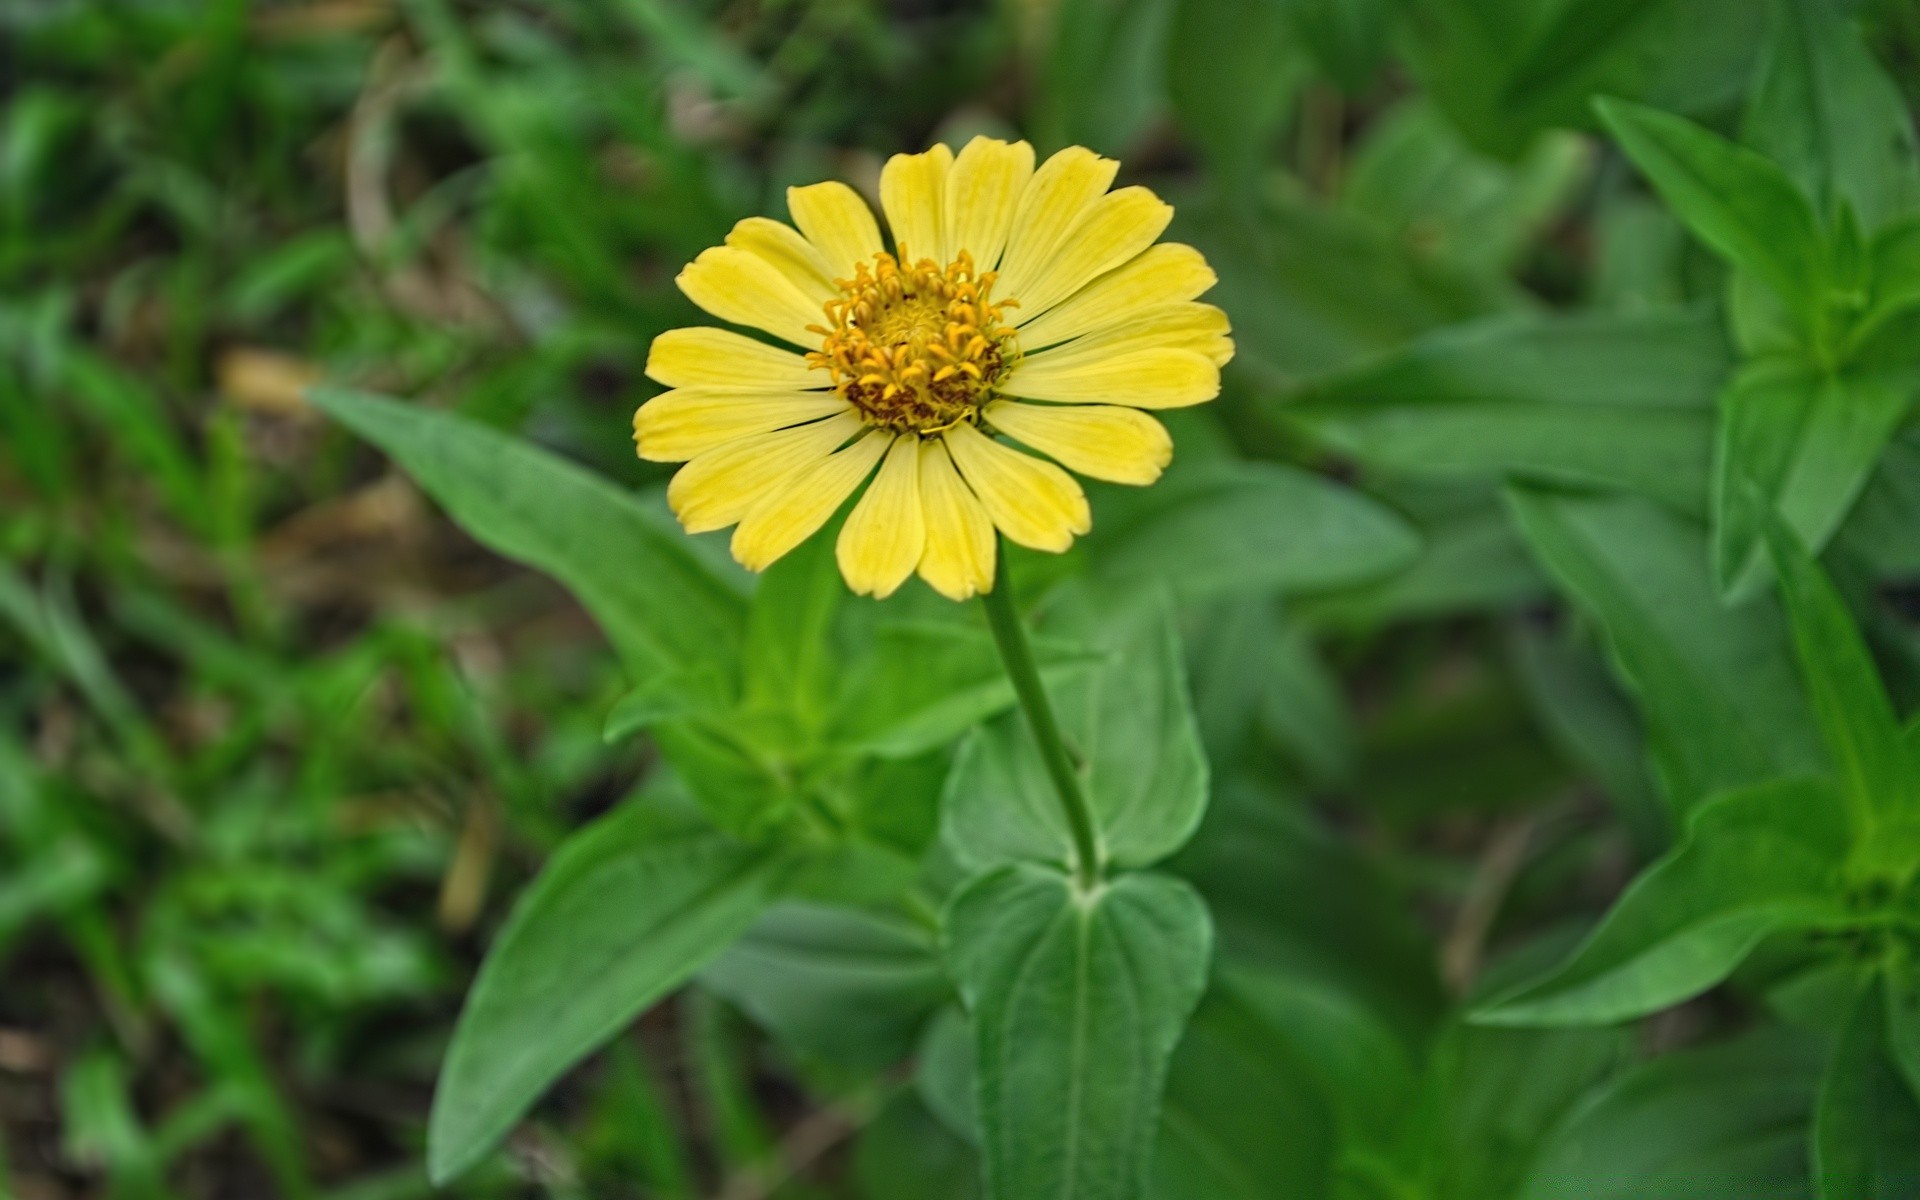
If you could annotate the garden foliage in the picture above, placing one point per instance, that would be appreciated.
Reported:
(1496, 722)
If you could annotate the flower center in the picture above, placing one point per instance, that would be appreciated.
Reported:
(916, 348)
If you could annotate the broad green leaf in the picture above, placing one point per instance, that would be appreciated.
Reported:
(788, 657)
(1901, 979)
(1866, 1124)
(1232, 73)
(1507, 70)
(1825, 110)
(927, 682)
(1245, 526)
(1141, 765)
(1349, 38)
(1578, 35)
(1471, 561)
(1752, 863)
(1737, 202)
(1716, 687)
(1601, 399)
(1291, 899)
(626, 911)
(1878, 775)
(675, 695)
(1802, 441)
(1077, 1000)
(1313, 289)
(1491, 1098)
(1721, 1120)
(1419, 178)
(628, 563)
(1102, 74)
(1585, 712)
(907, 1154)
(849, 985)
(1246, 1116)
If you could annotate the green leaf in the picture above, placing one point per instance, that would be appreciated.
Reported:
(1578, 35)
(1142, 766)
(1717, 688)
(1471, 561)
(788, 659)
(1825, 110)
(1902, 1003)
(848, 985)
(1608, 400)
(1723, 1120)
(1878, 774)
(1753, 863)
(1246, 526)
(1866, 1124)
(626, 911)
(1077, 1000)
(1737, 202)
(1349, 38)
(674, 695)
(1232, 73)
(1292, 899)
(628, 563)
(1800, 440)
(1246, 1116)
(926, 682)
(1415, 174)
(1507, 70)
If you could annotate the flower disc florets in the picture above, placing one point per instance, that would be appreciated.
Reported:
(916, 349)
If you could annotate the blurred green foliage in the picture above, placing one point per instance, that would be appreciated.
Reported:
(1601, 312)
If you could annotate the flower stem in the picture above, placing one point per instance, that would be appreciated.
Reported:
(1011, 636)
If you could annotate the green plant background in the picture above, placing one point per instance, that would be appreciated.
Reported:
(1496, 720)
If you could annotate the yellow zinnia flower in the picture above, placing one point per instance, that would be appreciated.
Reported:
(1018, 303)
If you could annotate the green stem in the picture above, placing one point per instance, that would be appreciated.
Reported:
(1011, 636)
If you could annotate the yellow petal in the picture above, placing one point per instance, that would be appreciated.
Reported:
(839, 224)
(983, 189)
(1163, 274)
(1201, 328)
(722, 485)
(744, 288)
(913, 189)
(792, 255)
(795, 511)
(1138, 379)
(1120, 445)
(886, 533)
(1055, 199)
(958, 559)
(1034, 503)
(1116, 228)
(705, 357)
(678, 425)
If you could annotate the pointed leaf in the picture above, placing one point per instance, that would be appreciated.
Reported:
(1733, 199)
(1142, 766)
(1753, 863)
(659, 604)
(1724, 1120)
(1866, 1124)
(1826, 111)
(1803, 441)
(1246, 526)
(1878, 773)
(1716, 687)
(1077, 1001)
(627, 910)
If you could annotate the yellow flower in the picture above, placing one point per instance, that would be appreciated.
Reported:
(1019, 305)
